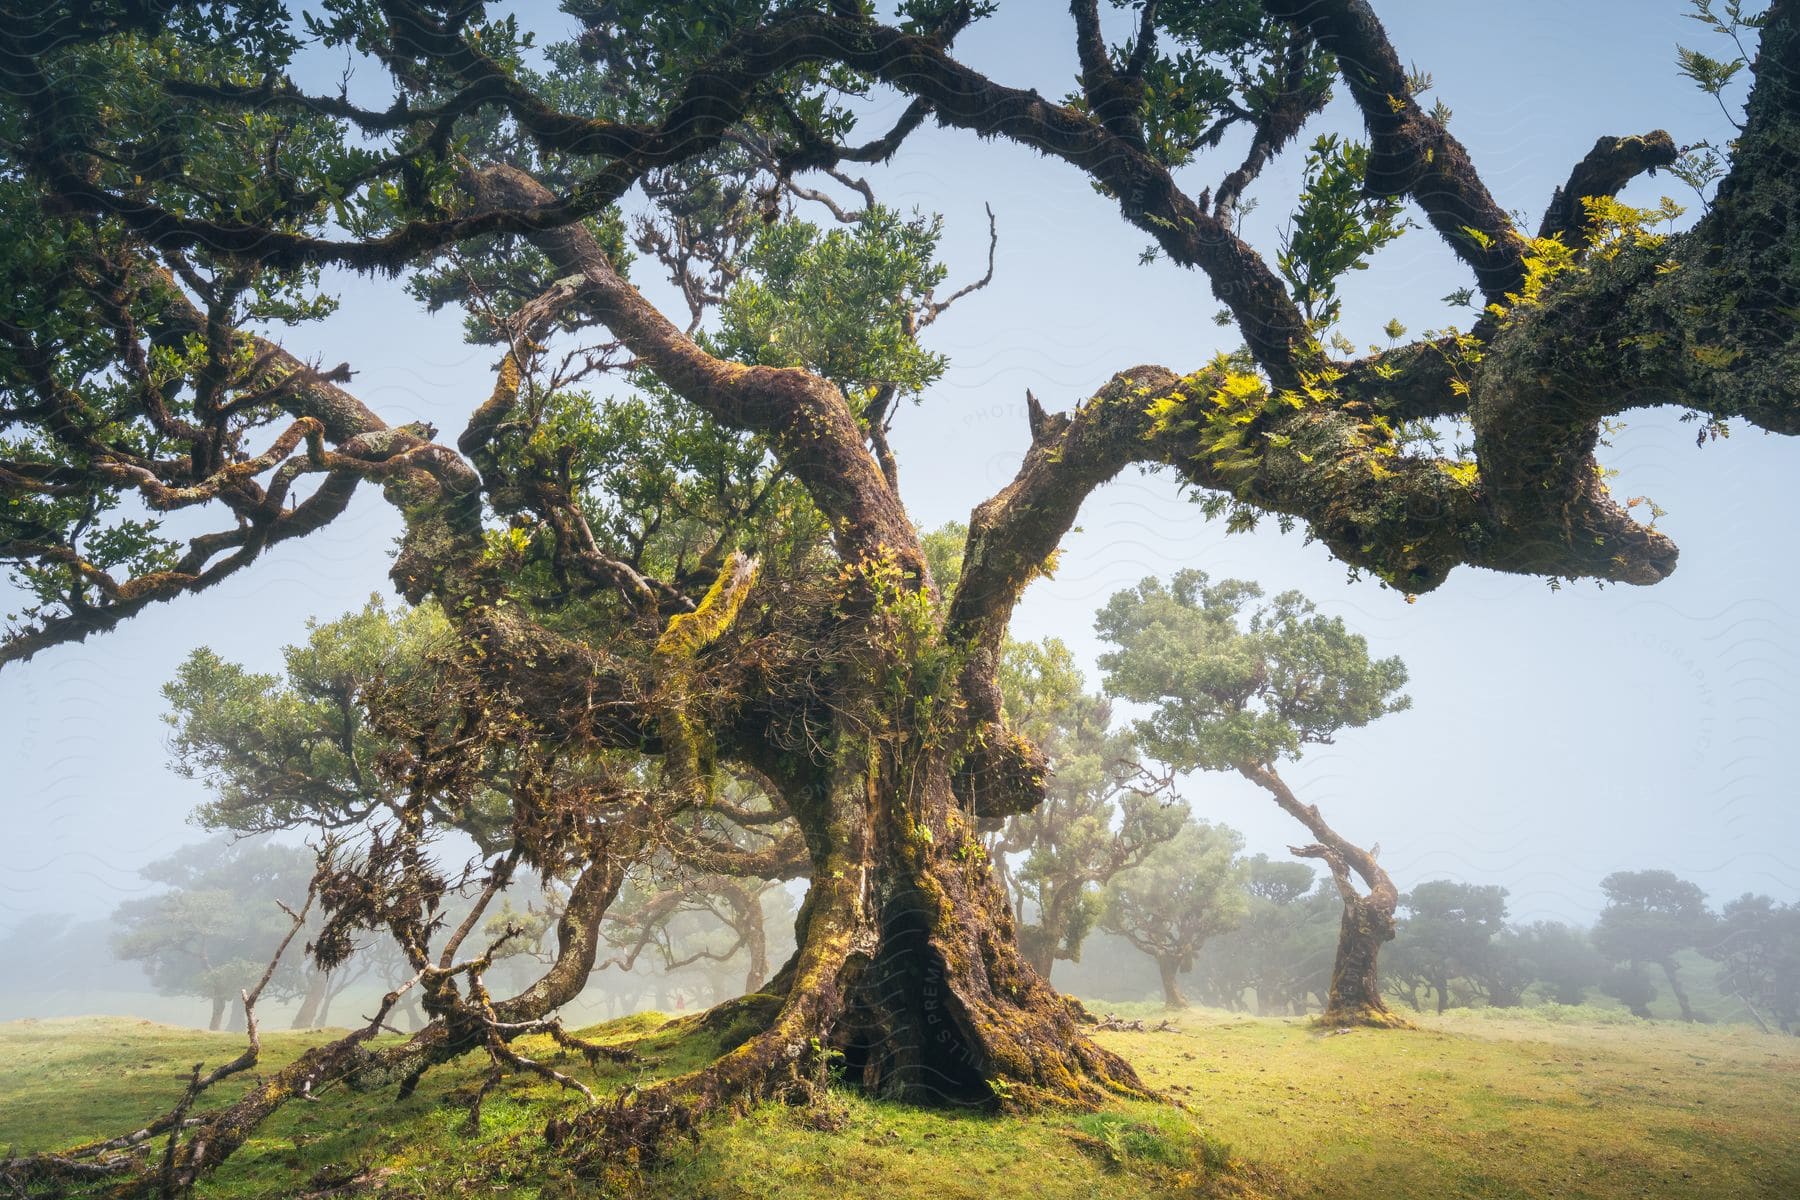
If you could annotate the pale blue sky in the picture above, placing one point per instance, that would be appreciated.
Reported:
(1555, 736)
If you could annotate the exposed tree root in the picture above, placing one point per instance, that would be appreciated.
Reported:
(925, 1005)
(1361, 1018)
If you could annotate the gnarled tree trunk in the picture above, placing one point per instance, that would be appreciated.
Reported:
(907, 963)
(1171, 984)
(1368, 920)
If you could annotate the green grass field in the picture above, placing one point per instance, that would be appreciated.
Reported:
(1546, 1103)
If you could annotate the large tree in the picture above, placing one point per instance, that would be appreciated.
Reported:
(717, 570)
(1243, 685)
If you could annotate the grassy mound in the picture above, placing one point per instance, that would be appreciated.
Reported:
(1473, 1104)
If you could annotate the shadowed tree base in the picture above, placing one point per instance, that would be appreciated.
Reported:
(1368, 921)
(1025, 1053)
(908, 984)
(1369, 1018)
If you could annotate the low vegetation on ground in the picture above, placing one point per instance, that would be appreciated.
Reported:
(1549, 1102)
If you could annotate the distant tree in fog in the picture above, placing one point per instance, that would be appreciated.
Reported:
(1282, 950)
(1448, 933)
(1757, 946)
(1244, 685)
(1187, 890)
(1503, 974)
(1561, 958)
(1629, 985)
(1649, 918)
(212, 932)
(1102, 813)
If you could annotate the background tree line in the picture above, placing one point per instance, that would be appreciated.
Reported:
(1114, 876)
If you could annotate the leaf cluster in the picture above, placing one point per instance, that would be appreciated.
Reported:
(841, 302)
(1336, 226)
(1236, 682)
(1217, 65)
